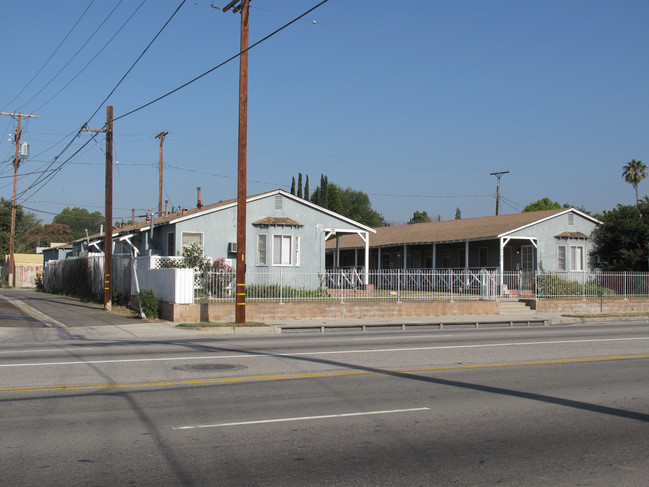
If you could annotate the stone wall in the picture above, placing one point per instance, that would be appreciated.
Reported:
(224, 312)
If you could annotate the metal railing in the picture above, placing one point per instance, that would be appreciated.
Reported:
(287, 284)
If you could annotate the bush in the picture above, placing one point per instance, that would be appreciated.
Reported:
(149, 302)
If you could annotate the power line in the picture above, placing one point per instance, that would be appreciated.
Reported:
(51, 55)
(75, 54)
(221, 64)
(94, 57)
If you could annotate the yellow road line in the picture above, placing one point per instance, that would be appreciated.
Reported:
(315, 375)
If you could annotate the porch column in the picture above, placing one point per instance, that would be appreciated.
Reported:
(434, 256)
(466, 254)
(502, 263)
(355, 257)
(366, 277)
(379, 258)
(405, 256)
(337, 254)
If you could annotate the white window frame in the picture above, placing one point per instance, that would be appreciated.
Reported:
(282, 238)
(262, 253)
(182, 239)
(562, 263)
(577, 264)
(296, 241)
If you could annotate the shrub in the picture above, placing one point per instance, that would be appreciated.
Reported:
(149, 302)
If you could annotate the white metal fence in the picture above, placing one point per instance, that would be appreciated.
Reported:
(420, 284)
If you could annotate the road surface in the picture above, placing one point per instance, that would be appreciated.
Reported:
(545, 406)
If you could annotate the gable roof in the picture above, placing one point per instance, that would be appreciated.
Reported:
(482, 228)
(204, 210)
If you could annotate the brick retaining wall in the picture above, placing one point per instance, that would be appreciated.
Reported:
(224, 312)
(593, 305)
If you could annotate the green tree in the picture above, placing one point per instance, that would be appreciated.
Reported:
(542, 204)
(79, 220)
(347, 202)
(299, 185)
(24, 221)
(633, 172)
(620, 243)
(458, 213)
(293, 185)
(306, 188)
(419, 217)
(43, 236)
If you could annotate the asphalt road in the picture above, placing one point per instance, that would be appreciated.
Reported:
(541, 406)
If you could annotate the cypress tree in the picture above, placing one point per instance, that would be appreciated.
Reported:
(293, 185)
(299, 185)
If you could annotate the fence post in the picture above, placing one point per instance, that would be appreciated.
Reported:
(281, 287)
(624, 280)
(450, 282)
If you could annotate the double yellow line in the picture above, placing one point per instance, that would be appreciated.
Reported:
(314, 375)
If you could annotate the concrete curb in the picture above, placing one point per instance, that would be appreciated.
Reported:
(37, 315)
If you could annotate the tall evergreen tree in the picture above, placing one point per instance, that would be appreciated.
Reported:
(458, 213)
(293, 185)
(306, 188)
(299, 185)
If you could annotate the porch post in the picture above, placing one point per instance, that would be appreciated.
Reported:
(405, 256)
(466, 254)
(337, 258)
(434, 256)
(366, 279)
(378, 266)
(502, 264)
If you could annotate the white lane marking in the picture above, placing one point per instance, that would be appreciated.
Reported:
(393, 337)
(329, 352)
(302, 418)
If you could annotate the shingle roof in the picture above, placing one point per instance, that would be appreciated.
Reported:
(571, 235)
(482, 228)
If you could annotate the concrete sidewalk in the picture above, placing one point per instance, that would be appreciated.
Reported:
(82, 320)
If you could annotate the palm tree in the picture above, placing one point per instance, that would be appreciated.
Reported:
(634, 172)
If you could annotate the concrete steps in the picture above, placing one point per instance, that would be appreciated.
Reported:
(514, 308)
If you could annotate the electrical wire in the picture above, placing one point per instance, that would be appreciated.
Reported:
(221, 64)
(75, 54)
(41, 182)
(93, 58)
(51, 55)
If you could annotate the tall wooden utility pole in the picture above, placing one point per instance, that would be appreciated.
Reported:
(498, 175)
(12, 233)
(240, 304)
(108, 224)
(160, 136)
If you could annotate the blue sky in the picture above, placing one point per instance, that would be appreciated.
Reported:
(414, 103)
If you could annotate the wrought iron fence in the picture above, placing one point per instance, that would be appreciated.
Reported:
(418, 284)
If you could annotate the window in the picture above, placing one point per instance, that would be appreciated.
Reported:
(261, 249)
(561, 258)
(282, 249)
(171, 243)
(192, 237)
(576, 258)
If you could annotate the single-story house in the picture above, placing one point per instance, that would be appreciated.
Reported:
(283, 232)
(552, 240)
(26, 267)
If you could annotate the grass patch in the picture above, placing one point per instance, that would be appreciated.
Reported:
(220, 325)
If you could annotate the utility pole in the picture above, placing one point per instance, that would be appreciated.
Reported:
(498, 176)
(12, 233)
(240, 304)
(160, 136)
(108, 224)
